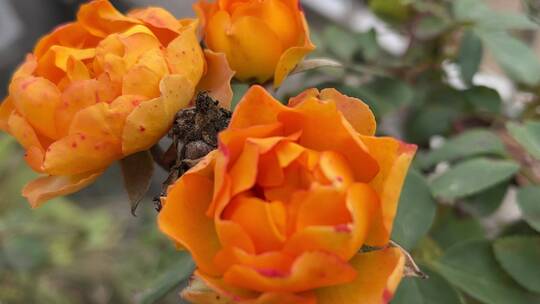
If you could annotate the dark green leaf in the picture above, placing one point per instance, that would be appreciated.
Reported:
(431, 120)
(137, 170)
(470, 143)
(529, 203)
(470, 55)
(340, 42)
(390, 10)
(520, 257)
(415, 213)
(168, 281)
(484, 99)
(450, 230)
(486, 202)
(528, 135)
(486, 18)
(472, 267)
(434, 290)
(472, 176)
(516, 58)
(430, 27)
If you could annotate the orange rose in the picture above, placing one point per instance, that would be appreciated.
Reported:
(280, 212)
(97, 90)
(261, 38)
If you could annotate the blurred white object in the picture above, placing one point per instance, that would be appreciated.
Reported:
(9, 23)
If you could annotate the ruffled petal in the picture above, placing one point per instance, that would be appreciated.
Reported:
(160, 21)
(152, 119)
(379, 274)
(310, 270)
(19, 128)
(183, 216)
(256, 100)
(185, 56)
(6, 107)
(394, 158)
(217, 79)
(36, 99)
(100, 18)
(46, 188)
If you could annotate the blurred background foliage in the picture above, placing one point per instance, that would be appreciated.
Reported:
(461, 79)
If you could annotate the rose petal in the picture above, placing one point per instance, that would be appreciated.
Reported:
(394, 158)
(185, 56)
(292, 56)
(6, 107)
(379, 273)
(100, 18)
(160, 21)
(183, 216)
(46, 188)
(36, 99)
(217, 79)
(310, 270)
(256, 100)
(152, 119)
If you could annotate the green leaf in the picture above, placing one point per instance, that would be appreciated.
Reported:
(472, 176)
(340, 42)
(484, 17)
(434, 290)
(137, 170)
(390, 10)
(470, 55)
(472, 267)
(520, 257)
(470, 143)
(168, 281)
(485, 202)
(415, 213)
(430, 27)
(516, 58)
(527, 135)
(484, 99)
(529, 202)
(451, 229)
(24, 253)
(434, 119)
(239, 89)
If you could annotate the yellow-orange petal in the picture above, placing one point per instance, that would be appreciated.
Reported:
(27, 68)
(160, 21)
(76, 70)
(394, 158)
(310, 270)
(75, 97)
(184, 220)
(217, 79)
(292, 56)
(46, 188)
(185, 56)
(71, 34)
(248, 42)
(36, 99)
(152, 119)
(19, 128)
(140, 80)
(379, 274)
(6, 107)
(100, 18)
(267, 260)
(79, 153)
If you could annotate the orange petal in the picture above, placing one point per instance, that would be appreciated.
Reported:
(252, 48)
(185, 56)
(355, 111)
(140, 80)
(379, 274)
(322, 206)
(268, 260)
(244, 171)
(255, 216)
(69, 35)
(100, 18)
(76, 96)
(183, 217)
(6, 107)
(394, 158)
(160, 21)
(80, 153)
(292, 56)
(36, 99)
(46, 188)
(337, 135)
(76, 69)
(336, 169)
(232, 235)
(256, 100)
(204, 289)
(310, 270)
(217, 79)
(152, 119)
(19, 128)
(27, 68)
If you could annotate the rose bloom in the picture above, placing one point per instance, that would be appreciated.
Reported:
(280, 211)
(99, 89)
(261, 38)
